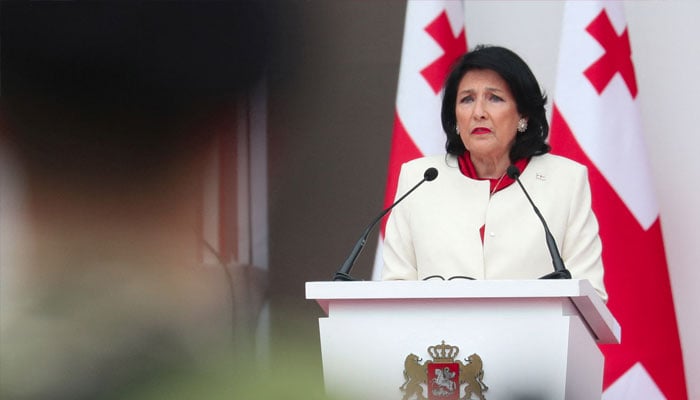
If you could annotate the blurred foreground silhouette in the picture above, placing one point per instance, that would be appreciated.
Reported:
(107, 109)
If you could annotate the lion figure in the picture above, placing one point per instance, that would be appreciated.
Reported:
(472, 373)
(414, 373)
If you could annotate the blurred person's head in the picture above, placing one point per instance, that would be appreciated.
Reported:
(115, 92)
(108, 109)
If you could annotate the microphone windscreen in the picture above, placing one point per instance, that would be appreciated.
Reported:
(513, 172)
(430, 174)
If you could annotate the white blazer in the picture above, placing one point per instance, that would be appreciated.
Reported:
(436, 230)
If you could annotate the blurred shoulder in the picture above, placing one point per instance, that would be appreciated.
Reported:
(427, 161)
(554, 164)
(441, 162)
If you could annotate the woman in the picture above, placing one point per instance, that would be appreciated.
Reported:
(472, 221)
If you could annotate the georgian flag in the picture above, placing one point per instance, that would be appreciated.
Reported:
(434, 37)
(596, 121)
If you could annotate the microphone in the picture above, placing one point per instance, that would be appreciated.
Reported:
(560, 271)
(343, 273)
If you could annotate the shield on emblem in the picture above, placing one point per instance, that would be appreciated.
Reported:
(443, 381)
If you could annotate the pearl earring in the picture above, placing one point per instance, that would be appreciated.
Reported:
(522, 125)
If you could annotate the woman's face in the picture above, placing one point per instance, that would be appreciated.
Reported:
(487, 114)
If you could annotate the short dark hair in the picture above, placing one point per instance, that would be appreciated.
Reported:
(524, 87)
(102, 92)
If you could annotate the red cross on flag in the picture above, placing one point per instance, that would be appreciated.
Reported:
(596, 121)
(434, 36)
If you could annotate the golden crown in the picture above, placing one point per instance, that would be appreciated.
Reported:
(443, 352)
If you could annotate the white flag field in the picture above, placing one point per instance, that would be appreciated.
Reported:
(595, 121)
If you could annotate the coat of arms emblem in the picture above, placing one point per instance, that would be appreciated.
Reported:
(443, 377)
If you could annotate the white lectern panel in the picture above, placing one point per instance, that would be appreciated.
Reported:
(532, 337)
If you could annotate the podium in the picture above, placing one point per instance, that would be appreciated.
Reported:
(505, 339)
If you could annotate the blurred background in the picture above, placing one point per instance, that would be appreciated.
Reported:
(229, 152)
